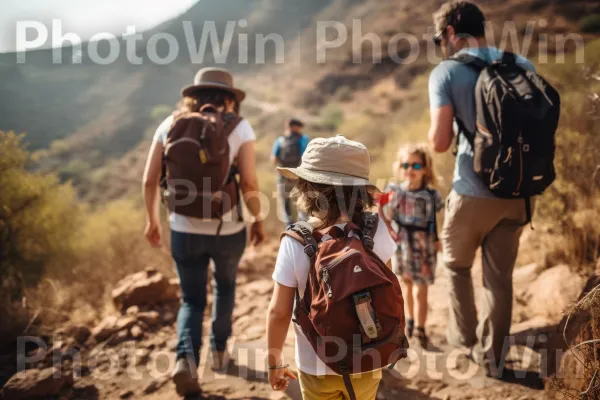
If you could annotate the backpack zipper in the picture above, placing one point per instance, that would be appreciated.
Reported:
(520, 141)
(325, 270)
(185, 139)
(325, 277)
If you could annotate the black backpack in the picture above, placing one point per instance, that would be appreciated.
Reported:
(289, 152)
(517, 115)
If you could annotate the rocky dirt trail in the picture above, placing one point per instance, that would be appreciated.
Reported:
(130, 355)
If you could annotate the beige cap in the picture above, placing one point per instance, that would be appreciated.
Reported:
(333, 161)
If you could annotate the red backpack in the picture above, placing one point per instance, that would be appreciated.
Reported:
(352, 310)
(196, 171)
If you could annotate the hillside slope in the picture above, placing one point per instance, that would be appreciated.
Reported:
(52, 101)
(104, 114)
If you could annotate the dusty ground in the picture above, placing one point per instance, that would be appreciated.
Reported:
(440, 372)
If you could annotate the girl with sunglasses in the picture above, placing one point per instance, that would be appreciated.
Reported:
(409, 210)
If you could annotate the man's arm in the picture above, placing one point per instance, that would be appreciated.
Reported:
(441, 133)
(275, 153)
(442, 109)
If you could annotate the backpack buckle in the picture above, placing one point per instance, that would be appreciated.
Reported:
(310, 250)
(368, 242)
(344, 368)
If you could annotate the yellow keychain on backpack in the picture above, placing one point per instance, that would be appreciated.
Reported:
(203, 156)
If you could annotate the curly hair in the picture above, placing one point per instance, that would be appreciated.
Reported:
(206, 96)
(328, 202)
(465, 17)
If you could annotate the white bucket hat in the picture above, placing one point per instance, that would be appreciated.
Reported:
(333, 161)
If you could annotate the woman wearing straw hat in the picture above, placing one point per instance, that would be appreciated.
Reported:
(333, 188)
(194, 241)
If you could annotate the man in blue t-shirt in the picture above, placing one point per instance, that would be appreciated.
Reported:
(474, 216)
(287, 152)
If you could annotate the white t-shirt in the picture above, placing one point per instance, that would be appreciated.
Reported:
(291, 270)
(242, 134)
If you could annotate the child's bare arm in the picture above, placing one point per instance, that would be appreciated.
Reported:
(279, 315)
(383, 200)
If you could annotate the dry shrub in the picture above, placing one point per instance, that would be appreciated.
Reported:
(586, 353)
(108, 245)
(571, 206)
(38, 217)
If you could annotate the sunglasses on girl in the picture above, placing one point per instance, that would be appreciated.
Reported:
(416, 166)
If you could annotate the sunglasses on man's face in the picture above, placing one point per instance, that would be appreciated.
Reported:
(416, 166)
(437, 38)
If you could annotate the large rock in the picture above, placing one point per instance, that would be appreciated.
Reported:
(148, 287)
(105, 328)
(79, 333)
(562, 359)
(553, 291)
(111, 325)
(36, 383)
(150, 318)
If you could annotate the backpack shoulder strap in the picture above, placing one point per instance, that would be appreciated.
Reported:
(370, 228)
(231, 122)
(476, 63)
(302, 232)
(462, 129)
(509, 58)
(434, 227)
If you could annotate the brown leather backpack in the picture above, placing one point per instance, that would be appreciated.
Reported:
(352, 310)
(197, 173)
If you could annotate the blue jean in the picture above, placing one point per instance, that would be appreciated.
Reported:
(192, 254)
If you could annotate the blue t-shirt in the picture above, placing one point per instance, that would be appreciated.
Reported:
(303, 144)
(453, 83)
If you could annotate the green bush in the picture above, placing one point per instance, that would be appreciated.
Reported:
(57, 257)
(590, 24)
(38, 217)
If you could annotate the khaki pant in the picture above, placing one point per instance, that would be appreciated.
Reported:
(331, 387)
(494, 225)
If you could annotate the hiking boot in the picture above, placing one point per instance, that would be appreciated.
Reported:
(489, 370)
(422, 337)
(410, 327)
(185, 378)
(220, 360)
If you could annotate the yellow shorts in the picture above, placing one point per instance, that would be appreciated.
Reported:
(331, 387)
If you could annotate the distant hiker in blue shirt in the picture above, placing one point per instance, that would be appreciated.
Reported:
(287, 152)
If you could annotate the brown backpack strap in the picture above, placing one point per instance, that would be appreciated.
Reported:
(345, 370)
(302, 232)
(371, 221)
(231, 121)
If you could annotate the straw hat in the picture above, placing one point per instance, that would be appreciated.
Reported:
(333, 161)
(214, 78)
